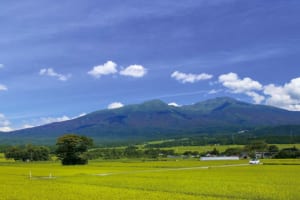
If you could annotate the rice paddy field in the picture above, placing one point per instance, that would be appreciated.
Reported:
(135, 179)
(220, 148)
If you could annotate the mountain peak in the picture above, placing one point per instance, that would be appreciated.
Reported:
(155, 119)
(215, 104)
(154, 104)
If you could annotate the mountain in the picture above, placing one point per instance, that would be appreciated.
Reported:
(156, 119)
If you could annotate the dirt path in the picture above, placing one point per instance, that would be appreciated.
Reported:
(170, 169)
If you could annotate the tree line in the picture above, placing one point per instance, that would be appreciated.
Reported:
(28, 153)
(129, 152)
(72, 149)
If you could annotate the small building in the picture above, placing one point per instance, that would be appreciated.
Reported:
(219, 158)
(262, 155)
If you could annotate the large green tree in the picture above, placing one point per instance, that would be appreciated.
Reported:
(72, 148)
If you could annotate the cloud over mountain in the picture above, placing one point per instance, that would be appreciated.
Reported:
(243, 86)
(115, 105)
(4, 124)
(286, 96)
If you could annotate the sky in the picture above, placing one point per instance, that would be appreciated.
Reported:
(63, 59)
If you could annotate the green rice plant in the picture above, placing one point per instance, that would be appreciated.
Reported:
(182, 179)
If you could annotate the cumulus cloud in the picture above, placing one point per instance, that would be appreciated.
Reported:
(115, 105)
(286, 96)
(4, 124)
(174, 104)
(242, 86)
(52, 73)
(190, 78)
(237, 85)
(107, 68)
(257, 98)
(136, 71)
(3, 87)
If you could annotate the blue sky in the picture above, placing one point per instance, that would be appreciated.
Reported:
(60, 60)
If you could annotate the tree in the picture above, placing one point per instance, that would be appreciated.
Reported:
(72, 148)
(28, 153)
(257, 146)
(132, 152)
(233, 151)
(288, 153)
(273, 148)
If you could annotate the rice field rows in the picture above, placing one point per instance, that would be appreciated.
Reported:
(183, 179)
(220, 148)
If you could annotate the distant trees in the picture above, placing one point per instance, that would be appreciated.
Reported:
(233, 151)
(72, 148)
(28, 153)
(129, 152)
(256, 146)
(292, 152)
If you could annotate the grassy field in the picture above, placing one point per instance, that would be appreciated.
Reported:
(133, 179)
(220, 148)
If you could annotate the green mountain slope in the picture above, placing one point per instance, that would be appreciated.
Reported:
(155, 119)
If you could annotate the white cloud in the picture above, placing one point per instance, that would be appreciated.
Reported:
(136, 71)
(27, 126)
(4, 124)
(6, 129)
(257, 98)
(286, 96)
(52, 73)
(48, 120)
(3, 87)
(242, 86)
(3, 120)
(190, 78)
(213, 91)
(115, 105)
(237, 85)
(107, 68)
(80, 115)
(174, 104)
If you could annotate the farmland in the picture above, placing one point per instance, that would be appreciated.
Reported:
(221, 148)
(135, 179)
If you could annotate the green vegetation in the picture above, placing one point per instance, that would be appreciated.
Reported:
(71, 149)
(215, 121)
(28, 153)
(133, 179)
(140, 172)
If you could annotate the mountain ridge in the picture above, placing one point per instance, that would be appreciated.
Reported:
(156, 119)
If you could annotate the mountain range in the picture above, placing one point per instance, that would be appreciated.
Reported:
(156, 120)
